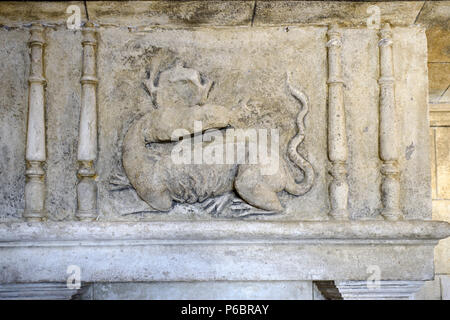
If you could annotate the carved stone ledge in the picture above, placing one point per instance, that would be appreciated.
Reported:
(219, 250)
(363, 290)
(36, 291)
(384, 290)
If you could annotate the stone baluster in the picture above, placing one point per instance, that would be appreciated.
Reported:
(390, 187)
(337, 138)
(35, 148)
(87, 140)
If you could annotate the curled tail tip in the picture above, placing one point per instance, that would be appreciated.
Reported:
(288, 81)
(296, 92)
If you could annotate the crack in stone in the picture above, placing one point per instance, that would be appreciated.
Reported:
(254, 13)
(86, 10)
(420, 11)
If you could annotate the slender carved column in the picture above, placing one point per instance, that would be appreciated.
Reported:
(35, 149)
(390, 187)
(87, 141)
(337, 138)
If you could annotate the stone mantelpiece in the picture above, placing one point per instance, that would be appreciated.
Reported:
(219, 250)
(348, 104)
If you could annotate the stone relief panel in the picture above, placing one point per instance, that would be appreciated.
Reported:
(179, 96)
(213, 78)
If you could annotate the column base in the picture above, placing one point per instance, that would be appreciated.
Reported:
(35, 216)
(339, 214)
(383, 290)
(36, 291)
(86, 215)
(392, 215)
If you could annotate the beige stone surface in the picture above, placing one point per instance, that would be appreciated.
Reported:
(441, 211)
(189, 13)
(433, 163)
(345, 12)
(435, 16)
(435, 13)
(195, 13)
(438, 43)
(132, 13)
(443, 162)
(442, 257)
(16, 13)
(440, 115)
(439, 81)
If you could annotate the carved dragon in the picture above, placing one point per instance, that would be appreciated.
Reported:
(159, 181)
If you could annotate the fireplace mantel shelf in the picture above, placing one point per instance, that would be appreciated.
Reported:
(218, 250)
(222, 230)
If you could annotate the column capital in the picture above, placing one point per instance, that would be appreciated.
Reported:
(36, 35)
